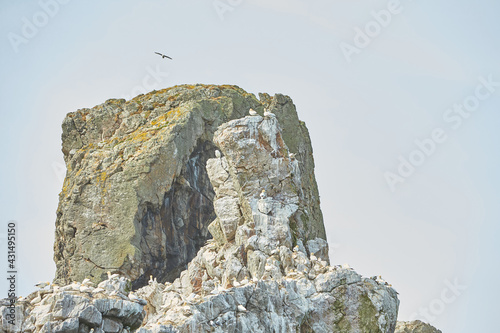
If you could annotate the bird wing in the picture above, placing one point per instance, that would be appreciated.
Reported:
(163, 56)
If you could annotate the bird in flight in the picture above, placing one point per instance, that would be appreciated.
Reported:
(163, 56)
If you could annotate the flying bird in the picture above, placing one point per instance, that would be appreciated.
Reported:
(163, 56)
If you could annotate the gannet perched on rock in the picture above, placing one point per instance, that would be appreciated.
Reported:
(151, 280)
(75, 286)
(218, 288)
(268, 114)
(236, 283)
(217, 153)
(42, 285)
(85, 288)
(97, 290)
(252, 112)
(133, 297)
(263, 194)
(112, 276)
(87, 283)
(292, 156)
(37, 299)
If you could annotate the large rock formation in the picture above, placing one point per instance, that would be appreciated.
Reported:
(259, 273)
(266, 269)
(137, 200)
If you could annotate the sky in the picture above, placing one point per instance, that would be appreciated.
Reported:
(401, 99)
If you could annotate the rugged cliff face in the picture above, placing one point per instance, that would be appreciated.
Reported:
(137, 200)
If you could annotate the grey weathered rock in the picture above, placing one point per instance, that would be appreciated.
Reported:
(263, 279)
(68, 326)
(415, 326)
(137, 200)
(73, 311)
(90, 316)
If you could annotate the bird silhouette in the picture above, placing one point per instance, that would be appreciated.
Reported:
(163, 56)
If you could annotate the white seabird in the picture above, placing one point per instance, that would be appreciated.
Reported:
(292, 156)
(36, 299)
(42, 285)
(268, 114)
(98, 290)
(263, 194)
(218, 288)
(87, 282)
(217, 153)
(133, 297)
(252, 112)
(85, 288)
(75, 286)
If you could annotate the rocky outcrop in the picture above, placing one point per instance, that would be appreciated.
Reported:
(137, 199)
(256, 274)
(415, 326)
(76, 308)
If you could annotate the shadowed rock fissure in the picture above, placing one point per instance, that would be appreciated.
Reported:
(178, 229)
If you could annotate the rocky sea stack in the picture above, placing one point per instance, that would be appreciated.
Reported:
(180, 212)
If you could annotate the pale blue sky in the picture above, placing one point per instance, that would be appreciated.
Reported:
(440, 225)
